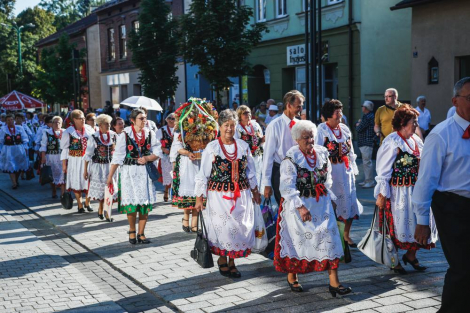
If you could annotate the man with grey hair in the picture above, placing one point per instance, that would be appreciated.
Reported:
(424, 119)
(444, 184)
(365, 142)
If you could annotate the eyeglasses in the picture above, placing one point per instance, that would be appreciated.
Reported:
(246, 113)
(467, 97)
(170, 118)
(142, 118)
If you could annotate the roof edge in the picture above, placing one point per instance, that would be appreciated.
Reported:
(407, 4)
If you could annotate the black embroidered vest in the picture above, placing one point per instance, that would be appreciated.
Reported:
(337, 150)
(167, 140)
(76, 148)
(103, 153)
(307, 180)
(53, 144)
(405, 170)
(222, 176)
(13, 140)
(255, 149)
(131, 150)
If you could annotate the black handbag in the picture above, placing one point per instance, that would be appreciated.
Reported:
(31, 154)
(270, 224)
(45, 177)
(29, 174)
(37, 162)
(202, 252)
(66, 200)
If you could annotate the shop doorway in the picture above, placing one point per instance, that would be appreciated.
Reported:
(259, 85)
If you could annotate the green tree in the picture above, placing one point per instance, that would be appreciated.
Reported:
(7, 7)
(68, 11)
(216, 38)
(55, 74)
(154, 49)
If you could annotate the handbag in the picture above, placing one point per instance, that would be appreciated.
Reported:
(378, 245)
(270, 226)
(201, 252)
(45, 176)
(29, 174)
(66, 200)
(261, 237)
(37, 162)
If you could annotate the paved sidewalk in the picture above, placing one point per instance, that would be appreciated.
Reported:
(164, 271)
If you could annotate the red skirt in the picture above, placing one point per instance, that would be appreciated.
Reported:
(293, 265)
(391, 225)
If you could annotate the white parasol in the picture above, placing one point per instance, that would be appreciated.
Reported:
(141, 101)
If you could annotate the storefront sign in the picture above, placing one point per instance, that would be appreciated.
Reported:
(296, 55)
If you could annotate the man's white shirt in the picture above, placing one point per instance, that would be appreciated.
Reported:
(424, 118)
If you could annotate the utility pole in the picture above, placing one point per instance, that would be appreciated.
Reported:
(18, 34)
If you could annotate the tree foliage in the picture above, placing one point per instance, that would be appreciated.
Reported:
(155, 48)
(55, 74)
(68, 11)
(217, 38)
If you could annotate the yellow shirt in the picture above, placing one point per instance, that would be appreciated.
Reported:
(383, 118)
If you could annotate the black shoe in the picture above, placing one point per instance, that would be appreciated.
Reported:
(15, 186)
(400, 271)
(81, 210)
(293, 288)
(101, 216)
(132, 240)
(89, 209)
(223, 273)
(55, 196)
(185, 228)
(414, 263)
(107, 217)
(352, 245)
(235, 274)
(144, 241)
(339, 290)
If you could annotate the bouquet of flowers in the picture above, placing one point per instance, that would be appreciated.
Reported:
(197, 124)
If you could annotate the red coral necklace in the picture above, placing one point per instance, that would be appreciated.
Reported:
(168, 131)
(312, 162)
(415, 150)
(55, 135)
(102, 138)
(251, 128)
(140, 141)
(12, 130)
(229, 156)
(337, 129)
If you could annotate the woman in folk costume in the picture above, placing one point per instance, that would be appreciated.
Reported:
(307, 237)
(14, 149)
(50, 154)
(227, 175)
(134, 148)
(397, 171)
(73, 144)
(98, 155)
(249, 131)
(165, 136)
(336, 138)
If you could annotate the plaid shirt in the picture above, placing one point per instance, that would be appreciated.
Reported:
(365, 130)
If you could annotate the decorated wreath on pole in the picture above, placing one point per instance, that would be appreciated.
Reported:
(197, 124)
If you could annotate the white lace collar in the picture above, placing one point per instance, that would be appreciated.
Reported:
(326, 131)
(397, 142)
(297, 156)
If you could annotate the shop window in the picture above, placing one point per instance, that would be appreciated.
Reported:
(464, 66)
(124, 92)
(122, 42)
(281, 6)
(111, 45)
(261, 10)
(137, 90)
(433, 71)
(135, 26)
(114, 94)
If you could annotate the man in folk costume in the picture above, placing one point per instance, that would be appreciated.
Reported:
(278, 141)
(444, 185)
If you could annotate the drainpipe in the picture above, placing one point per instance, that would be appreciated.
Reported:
(350, 35)
(185, 75)
(307, 64)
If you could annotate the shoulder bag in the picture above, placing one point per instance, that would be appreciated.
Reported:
(201, 252)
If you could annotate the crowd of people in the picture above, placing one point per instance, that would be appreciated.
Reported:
(309, 169)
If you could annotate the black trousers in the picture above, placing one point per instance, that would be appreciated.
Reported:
(275, 181)
(451, 212)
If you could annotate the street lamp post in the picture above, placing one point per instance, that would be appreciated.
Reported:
(18, 33)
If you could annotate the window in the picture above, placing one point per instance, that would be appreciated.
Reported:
(122, 42)
(123, 92)
(433, 71)
(114, 94)
(135, 26)
(261, 10)
(464, 66)
(281, 8)
(137, 90)
(111, 46)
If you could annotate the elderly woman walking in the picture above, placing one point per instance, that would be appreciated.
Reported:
(337, 139)
(165, 136)
(249, 131)
(227, 175)
(307, 238)
(97, 158)
(50, 154)
(397, 171)
(73, 144)
(134, 148)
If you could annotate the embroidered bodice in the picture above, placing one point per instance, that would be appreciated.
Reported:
(166, 140)
(405, 169)
(338, 151)
(53, 143)
(131, 150)
(222, 174)
(253, 141)
(77, 147)
(103, 153)
(13, 140)
(310, 183)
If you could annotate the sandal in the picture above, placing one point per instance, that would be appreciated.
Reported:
(223, 273)
(295, 288)
(185, 228)
(414, 263)
(143, 241)
(236, 273)
(132, 240)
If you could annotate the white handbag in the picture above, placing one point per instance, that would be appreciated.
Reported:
(378, 245)
(261, 237)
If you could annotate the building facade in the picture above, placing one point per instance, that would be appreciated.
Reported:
(440, 47)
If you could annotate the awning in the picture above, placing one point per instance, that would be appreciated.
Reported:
(16, 100)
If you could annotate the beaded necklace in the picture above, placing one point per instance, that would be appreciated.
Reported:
(415, 150)
(12, 130)
(55, 135)
(246, 130)
(229, 156)
(338, 129)
(308, 158)
(140, 141)
(102, 138)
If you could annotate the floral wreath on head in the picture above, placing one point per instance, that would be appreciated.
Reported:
(196, 121)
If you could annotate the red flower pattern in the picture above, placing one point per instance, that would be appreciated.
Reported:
(130, 147)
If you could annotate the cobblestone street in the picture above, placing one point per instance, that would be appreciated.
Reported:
(62, 261)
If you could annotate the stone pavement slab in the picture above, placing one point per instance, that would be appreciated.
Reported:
(165, 270)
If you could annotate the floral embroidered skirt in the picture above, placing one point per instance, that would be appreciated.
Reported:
(136, 191)
(98, 175)
(230, 234)
(13, 159)
(312, 246)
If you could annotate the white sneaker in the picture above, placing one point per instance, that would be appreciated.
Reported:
(369, 185)
(362, 183)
